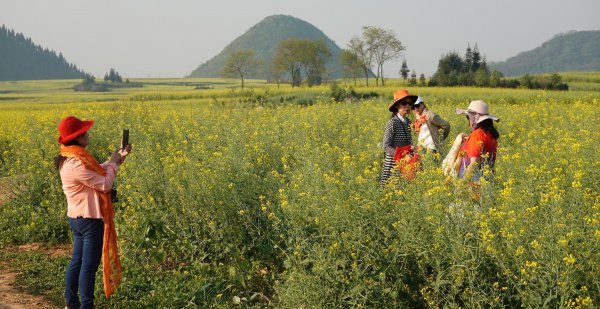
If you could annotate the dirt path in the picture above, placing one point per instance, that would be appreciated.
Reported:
(10, 296)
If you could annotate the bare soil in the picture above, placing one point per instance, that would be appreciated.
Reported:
(11, 297)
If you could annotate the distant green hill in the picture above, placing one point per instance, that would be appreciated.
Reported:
(572, 51)
(263, 38)
(21, 59)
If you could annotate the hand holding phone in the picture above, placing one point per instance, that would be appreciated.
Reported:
(125, 138)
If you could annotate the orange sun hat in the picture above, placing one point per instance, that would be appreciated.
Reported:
(402, 94)
(71, 127)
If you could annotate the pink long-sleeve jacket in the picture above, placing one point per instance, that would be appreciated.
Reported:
(82, 186)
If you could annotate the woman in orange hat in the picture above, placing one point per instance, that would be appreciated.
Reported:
(480, 146)
(397, 130)
(87, 186)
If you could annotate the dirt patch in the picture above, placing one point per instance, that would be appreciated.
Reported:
(12, 298)
(5, 192)
(8, 191)
(53, 251)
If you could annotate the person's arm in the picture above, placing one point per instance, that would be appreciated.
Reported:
(98, 182)
(94, 180)
(388, 139)
(441, 123)
(473, 166)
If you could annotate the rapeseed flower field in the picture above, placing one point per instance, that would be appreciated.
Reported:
(251, 198)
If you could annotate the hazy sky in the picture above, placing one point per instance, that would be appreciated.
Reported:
(149, 38)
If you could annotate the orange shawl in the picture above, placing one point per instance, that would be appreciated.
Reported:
(111, 266)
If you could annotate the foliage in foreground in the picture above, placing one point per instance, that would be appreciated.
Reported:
(227, 202)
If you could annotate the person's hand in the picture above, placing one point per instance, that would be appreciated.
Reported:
(119, 156)
(464, 137)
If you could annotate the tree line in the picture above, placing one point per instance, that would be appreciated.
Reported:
(472, 70)
(22, 59)
(297, 60)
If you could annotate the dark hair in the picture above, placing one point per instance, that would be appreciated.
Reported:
(488, 126)
(59, 160)
(394, 110)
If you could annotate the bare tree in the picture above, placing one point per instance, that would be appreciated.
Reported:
(351, 65)
(383, 45)
(363, 54)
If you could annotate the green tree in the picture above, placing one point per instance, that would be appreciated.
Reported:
(449, 72)
(113, 76)
(526, 81)
(413, 78)
(422, 79)
(496, 78)
(476, 59)
(314, 54)
(468, 61)
(482, 77)
(351, 65)
(288, 58)
(240, 63)
(404, 71)
(89, 79)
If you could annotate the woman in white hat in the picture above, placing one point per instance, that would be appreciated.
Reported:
(428, 125)
(481, 145)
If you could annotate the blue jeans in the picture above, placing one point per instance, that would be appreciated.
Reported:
(88, 235)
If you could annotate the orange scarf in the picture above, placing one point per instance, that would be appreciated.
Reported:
(407, 163)
(111, 266)
(419, 121)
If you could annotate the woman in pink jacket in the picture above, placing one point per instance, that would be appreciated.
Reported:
(86, 185)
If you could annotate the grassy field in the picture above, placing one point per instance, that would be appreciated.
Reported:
(269, 197)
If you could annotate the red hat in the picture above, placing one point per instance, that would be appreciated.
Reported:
(401, 94)
(71, 127)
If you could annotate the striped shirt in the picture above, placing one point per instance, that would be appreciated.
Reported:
(396, 134)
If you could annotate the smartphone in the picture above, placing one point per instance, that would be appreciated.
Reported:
(125, 139)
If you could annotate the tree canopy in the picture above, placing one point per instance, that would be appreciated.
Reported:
(295, 55)
(241, 63)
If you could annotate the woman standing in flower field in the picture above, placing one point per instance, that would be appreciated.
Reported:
(482, 143)
(87, 186)
(397, 130)
(427, 125)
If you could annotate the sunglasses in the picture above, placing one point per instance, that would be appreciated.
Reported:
(416, 105)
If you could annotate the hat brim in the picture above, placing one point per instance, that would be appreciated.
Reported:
(418, 101)
(484, 117)
(87, 124)
(481, 117)
(413, 98)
